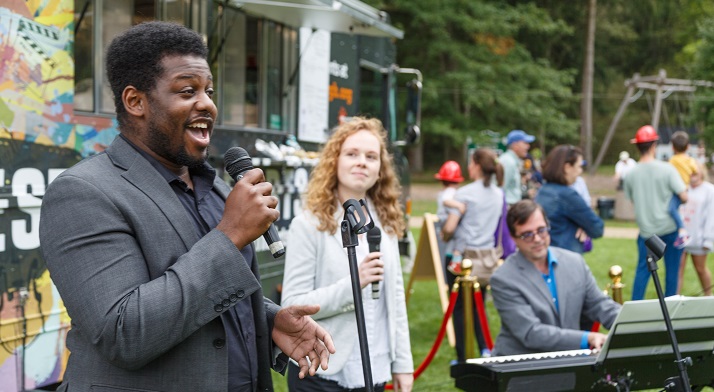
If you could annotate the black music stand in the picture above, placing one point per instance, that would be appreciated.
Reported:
(354, 223)
(640, 332)
(655, 250)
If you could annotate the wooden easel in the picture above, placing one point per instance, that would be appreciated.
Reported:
(428, 265)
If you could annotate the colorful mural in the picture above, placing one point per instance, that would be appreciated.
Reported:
(39, 137)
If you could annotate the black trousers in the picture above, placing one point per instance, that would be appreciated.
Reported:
(318, 384)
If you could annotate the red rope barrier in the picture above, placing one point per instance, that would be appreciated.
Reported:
(437, 342)
(478, 298)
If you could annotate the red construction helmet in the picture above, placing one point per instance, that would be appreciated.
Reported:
(645, 134)
(450, 171)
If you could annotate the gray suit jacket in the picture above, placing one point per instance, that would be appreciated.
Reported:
(529, 320)
(143, 290)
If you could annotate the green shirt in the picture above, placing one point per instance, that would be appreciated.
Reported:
(511, 176)
(651, 186)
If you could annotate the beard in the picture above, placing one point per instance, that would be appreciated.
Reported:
(161, 144)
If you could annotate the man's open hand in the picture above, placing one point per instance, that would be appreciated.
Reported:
(300, 337)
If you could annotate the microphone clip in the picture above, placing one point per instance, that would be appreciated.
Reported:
(354, 222)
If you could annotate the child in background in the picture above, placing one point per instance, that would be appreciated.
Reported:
(698, 216)
(686, 166)
(450, 176)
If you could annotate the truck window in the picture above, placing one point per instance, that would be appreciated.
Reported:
(99, 22)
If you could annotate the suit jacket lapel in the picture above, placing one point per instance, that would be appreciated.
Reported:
(140, 173)
(561, 282)
(535, 279)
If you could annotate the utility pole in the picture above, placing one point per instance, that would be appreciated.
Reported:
(586, 104)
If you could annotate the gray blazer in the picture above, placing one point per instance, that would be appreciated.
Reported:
(143, 290)
(529, 321)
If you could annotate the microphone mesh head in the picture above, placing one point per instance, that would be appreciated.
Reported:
(237, 161)
(374, 235)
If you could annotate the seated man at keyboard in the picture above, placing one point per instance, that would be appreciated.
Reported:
(541, 292)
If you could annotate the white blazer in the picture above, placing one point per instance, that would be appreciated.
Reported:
(317, 272)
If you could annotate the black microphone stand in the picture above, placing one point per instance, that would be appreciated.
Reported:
(655, 250)
(350, 228)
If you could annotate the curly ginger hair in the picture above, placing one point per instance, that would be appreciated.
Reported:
(322, 198)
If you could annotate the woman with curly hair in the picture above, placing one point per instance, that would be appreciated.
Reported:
(354, 164)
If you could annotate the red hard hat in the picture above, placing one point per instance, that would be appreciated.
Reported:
(450, 171)
(645, 134)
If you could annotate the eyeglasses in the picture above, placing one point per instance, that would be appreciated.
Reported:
(529, 236)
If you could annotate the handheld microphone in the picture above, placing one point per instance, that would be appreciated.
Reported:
(237, 163)
(374, 238)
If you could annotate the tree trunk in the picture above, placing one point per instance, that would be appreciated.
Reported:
(415, 155)
(586, 104)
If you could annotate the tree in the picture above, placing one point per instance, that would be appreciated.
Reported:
(586, 106)
(505, 64)
(701, 69)
(477, 75)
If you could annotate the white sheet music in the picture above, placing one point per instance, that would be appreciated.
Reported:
(645, 316)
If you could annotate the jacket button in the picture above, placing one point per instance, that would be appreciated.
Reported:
(219, 343)
(218, 308)
(225, 303)
(233, 298)
(240, 294)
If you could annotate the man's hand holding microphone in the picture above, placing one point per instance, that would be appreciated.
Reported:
(249, 213)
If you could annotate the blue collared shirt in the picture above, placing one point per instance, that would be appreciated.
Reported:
(549, 279)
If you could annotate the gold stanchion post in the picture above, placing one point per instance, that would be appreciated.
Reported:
(616, 286)
(468, 284)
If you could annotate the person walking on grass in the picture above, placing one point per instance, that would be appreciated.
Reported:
(698, 216)
(650, 186)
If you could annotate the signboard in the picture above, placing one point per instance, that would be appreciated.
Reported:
(428, 265)
(314, 85)
(344, 77)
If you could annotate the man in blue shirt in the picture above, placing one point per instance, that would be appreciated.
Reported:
(541, 292)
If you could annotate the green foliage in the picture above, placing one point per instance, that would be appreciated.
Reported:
(477, 73)
(505, 64)
(702, 69)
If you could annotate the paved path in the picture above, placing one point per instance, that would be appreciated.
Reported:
(621, 232)
(610, 232)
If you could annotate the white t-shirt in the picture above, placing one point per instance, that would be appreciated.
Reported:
(698, 215)
(446, 194)
(483, 210)
(624, 167)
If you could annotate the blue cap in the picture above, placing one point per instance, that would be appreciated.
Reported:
(517, 135)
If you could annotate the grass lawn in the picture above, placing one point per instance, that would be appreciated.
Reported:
(425, 314)
(620, 223)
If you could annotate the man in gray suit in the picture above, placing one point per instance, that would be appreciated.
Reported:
(151, 251)
(541, 292)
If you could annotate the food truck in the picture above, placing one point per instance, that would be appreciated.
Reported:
(286, 72)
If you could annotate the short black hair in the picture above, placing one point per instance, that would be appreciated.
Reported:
(644, 147)
(680, 141)
(520, 212)
(134, 57)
